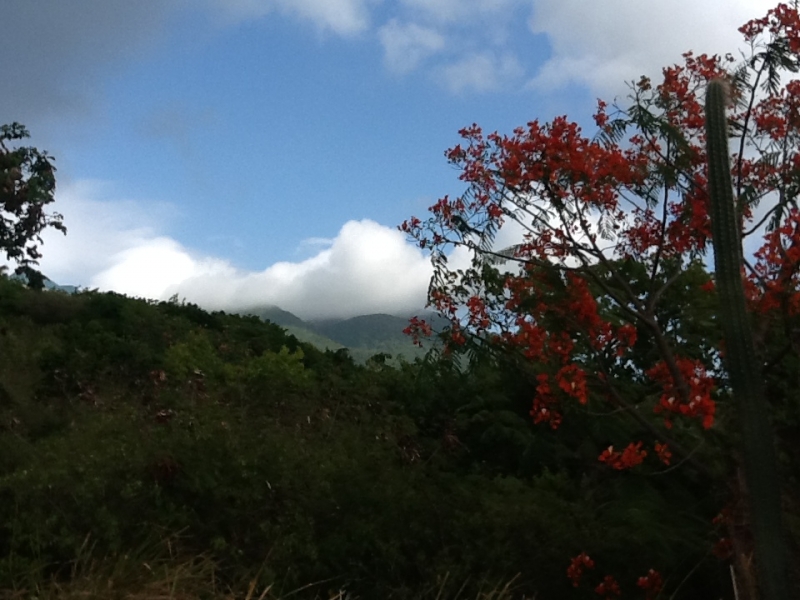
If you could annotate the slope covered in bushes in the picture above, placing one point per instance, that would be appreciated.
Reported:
(127, 427)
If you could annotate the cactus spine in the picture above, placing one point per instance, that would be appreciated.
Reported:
(760, 465)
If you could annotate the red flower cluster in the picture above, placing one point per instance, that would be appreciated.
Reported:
(577, 566)
(651, 584)
(631, 456)
(774, 285)
(478, 315)
(781, 22)
(417, 329)
(663, 452)
(572, 379)
(544, 403)
(608, 588)
(695, 401)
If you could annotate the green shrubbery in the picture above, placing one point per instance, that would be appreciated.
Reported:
(125, 423)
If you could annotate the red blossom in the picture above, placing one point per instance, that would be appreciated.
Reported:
(780, 22)
(631, 456)
(417, 329)
(651, 584)
(699, 384)
(626, 337)
(663, 452)
(544, 403)
(608, 588)
(577, 567)
(478, 315)
(600, 116)
(572, 379)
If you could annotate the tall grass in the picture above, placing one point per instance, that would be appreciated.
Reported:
(159, 572)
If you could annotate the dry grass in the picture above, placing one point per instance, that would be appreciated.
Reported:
(195, 579)
(158, 571)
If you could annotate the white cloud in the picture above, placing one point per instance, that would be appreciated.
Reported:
(369, 268)
(112, 245)
(153, 265)
(318, 242)
(407, 45)
(470, 39)
(343, 17)
(605, 44)
(481, 72)
(97, 231)
(448, 11)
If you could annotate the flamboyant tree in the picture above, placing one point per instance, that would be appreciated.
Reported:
(614, 235)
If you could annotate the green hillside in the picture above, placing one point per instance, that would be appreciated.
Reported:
(305, 334)
(275, 315)
(153, 450)
(295, 326)
(368, 331)
(364, 336)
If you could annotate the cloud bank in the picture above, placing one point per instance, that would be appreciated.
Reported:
(117, 245)
(368, 269)
(341, 17)
(406, 45)
(57, 51)
(605, 44)
(477, 45)
(53, 50)
(481, 72)
(463, 44)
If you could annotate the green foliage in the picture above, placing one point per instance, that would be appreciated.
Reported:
(27, 185)
(195, 355)
(274, 371)
(124, 422)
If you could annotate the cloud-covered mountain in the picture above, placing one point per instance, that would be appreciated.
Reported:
(365, 268)
(364, 336)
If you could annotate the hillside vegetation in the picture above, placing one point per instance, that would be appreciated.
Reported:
(152, 448)
(363, 336)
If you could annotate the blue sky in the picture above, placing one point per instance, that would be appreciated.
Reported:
(244, 152)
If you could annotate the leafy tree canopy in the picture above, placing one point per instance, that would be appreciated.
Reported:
(27, 186)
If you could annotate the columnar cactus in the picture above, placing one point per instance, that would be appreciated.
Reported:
(760, 465)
